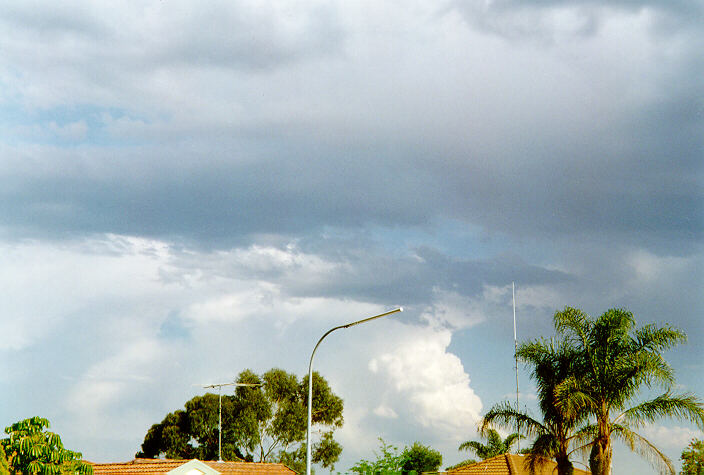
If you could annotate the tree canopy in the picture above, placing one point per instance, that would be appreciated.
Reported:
(388, 460)
(554, 435)
(417, 458)
(30, 449)
(613, 361)
(589, 383)
(495, 444)
(693, 458)
(263, 423)
(4, 465)
(421, 458)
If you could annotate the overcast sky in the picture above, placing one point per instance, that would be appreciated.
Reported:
(189, 189)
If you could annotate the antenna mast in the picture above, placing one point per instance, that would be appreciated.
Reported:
(219, 386)
(515, 350)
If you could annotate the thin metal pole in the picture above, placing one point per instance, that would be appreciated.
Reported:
(515, 351)
(310, 377)
(219, 386)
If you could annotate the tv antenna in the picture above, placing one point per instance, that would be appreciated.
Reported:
(219, 386)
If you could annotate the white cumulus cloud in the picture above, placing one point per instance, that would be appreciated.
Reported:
(433, 381)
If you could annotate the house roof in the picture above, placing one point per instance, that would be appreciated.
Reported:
(163, 466)
(508, 464)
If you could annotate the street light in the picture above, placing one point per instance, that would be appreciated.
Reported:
(219, 386)
(310, 376)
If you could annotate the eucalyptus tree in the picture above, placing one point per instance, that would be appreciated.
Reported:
(266, 423)
(612, 362)
(556, 435)
(494, 446)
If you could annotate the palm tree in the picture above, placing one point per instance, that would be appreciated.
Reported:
(494, 446)
(612, 362)
(555, 434)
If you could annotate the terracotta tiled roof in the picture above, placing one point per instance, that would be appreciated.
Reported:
(507, 464)
(157, 466)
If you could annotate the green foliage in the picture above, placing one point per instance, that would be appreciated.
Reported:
(494, 446)
(295, 460)
(414, 459)
(461, 464)
(595, 372)
(31, 449)
(192, 433)
(387, 462)
(4, 465)
(326, 451)
(612, 362)
(693, 458)
(554, 435)
(264, 423)
(421, 458)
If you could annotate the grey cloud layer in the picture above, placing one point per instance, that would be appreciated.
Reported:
(261, 142)
(646, 198)
(521, 155)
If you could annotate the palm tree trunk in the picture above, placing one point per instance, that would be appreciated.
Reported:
(607, 460)
(564, 466)
(600, 458)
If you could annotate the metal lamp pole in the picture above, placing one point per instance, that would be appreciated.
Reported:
(310, 377)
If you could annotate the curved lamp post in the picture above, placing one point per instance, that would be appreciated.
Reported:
(310, 376)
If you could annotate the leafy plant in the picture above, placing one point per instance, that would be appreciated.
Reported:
(414, 459)
(31, 449)
(421, 458)
(4, 466)
(460, 464)
(389, 460)
(495, 444)
(693, 458)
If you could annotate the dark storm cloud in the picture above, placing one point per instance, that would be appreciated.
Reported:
(558, 152)
(294, 193)
(635, 199)
(643, 188)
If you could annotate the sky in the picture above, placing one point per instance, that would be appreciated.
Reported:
(191, 189)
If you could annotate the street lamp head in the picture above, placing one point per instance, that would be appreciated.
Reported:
(399, 309)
